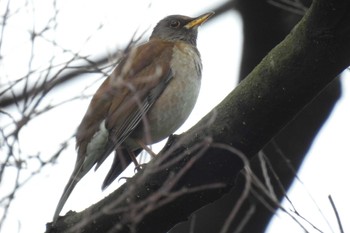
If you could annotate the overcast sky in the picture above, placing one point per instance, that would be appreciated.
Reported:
(221, 38)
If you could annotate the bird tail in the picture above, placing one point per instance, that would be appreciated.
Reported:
(82, 167)
(78, 173)
(122, 159)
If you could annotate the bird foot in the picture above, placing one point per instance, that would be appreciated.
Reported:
(139, 167)
(124, 178)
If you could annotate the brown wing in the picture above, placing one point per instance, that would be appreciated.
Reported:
(120, 102)
(123, 92)
(142, 83)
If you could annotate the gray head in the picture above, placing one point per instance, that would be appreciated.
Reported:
(179, 27)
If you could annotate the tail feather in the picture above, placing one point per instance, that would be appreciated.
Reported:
(73, 180)
(81, 169)
(122, 159)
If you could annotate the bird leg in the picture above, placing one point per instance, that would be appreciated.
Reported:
(134, 160)
(138, 166)
(146, 148)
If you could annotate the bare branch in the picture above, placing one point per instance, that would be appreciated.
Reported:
(336, 214)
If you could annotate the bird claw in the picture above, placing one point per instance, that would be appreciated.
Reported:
(139, 167)
(124, 178)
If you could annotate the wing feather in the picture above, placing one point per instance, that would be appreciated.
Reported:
(120, 103)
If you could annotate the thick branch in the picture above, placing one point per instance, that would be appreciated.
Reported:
(198, 167)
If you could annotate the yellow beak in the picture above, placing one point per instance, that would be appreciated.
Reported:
(199, 20)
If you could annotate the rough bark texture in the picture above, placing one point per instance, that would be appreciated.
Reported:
(286, 80)
(264, 26)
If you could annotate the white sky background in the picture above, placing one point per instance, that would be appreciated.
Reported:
(324, 172)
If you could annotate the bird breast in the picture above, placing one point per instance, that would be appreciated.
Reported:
(176, 102)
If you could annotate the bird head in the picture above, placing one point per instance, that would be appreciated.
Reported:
(179, 27)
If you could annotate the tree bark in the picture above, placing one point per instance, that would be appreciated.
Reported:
(264, 25)
(202, 164)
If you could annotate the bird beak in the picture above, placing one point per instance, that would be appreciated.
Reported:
(199, 20)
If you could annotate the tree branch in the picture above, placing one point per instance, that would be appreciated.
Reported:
(88, 66)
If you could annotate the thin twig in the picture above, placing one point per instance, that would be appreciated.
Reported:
(336, 214)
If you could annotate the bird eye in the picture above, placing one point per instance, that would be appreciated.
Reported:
(174, 23)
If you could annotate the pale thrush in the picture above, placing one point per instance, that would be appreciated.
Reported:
(148, 97)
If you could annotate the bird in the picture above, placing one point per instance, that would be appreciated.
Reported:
(147, 97)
